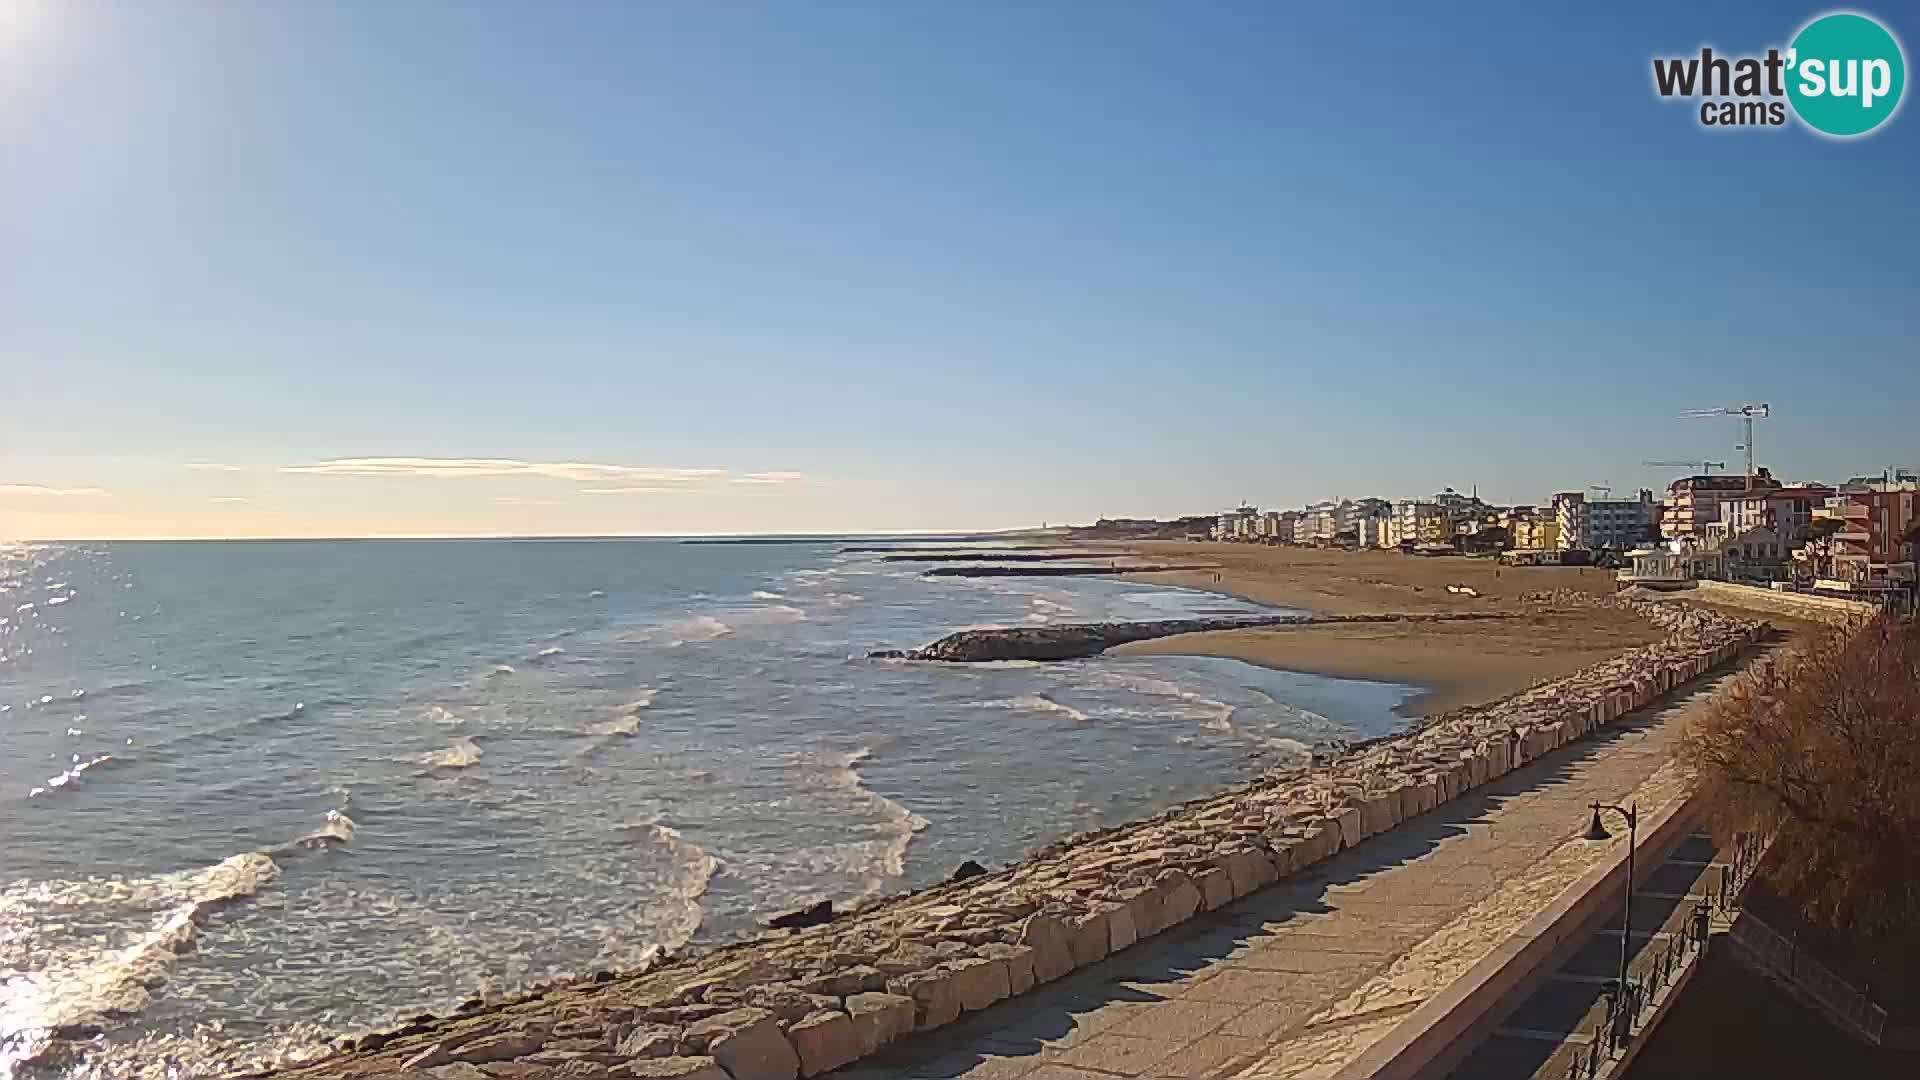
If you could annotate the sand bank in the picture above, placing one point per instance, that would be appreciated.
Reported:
(1461, 663)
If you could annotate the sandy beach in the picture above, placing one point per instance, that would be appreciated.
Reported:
(1458, 663)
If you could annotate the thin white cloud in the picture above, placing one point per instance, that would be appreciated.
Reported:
(213, 466)
(515, 500)
(474, 468)
(609, 479)
(43, 491)
(640, 489)
(231, 499)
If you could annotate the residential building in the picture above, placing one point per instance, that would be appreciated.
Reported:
(1573, 518)
(1788, 511)
(1613, 524)
(1872, 545)
(1756, 553)
(1421, 522)
(1532, 530)
(1236, 524)
(1694, 501)
(1367, 529)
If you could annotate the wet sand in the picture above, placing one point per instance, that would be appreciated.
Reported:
(1462, 663)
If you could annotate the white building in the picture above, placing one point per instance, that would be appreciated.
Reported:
(1614, 524)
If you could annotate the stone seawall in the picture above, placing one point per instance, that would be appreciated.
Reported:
(801, 1003)
(1826, 609)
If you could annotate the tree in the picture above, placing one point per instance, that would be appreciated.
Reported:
(1822, 749)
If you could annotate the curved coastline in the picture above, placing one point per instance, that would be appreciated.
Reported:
(806, 1002)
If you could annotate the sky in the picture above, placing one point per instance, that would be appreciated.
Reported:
(438, 268)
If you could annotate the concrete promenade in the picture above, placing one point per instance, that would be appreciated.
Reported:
(1297, 980)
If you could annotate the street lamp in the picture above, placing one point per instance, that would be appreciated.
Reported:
(1597, 832)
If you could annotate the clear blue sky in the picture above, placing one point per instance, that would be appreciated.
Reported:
(901, 265)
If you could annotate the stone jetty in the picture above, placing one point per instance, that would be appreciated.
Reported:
(1060, 570)
(798, 1003)
(1071, 641)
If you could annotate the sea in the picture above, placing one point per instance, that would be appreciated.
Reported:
(254, 795)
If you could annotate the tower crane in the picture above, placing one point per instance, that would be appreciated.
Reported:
(1747, 414)
(1706, 467)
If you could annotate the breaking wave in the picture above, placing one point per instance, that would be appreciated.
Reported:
(76, 981)
(884, 857)
(1040, 703)
(464, 753)
(677, 911)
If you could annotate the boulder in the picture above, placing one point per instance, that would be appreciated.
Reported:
(1249, 869)
(648, 1041)
(814, 914)
(1019, 961)
(1121, 932)
(1350, 827)
(1216, 887)
(748, 1044)
(979, 981)
(966, 870)
(500, 1046)
(1050, 942)
(1179, 896)
(856, 979)
(1089, 938)
(824, 1041)
(935, 1001)
(671, 1068)
(878, 1019)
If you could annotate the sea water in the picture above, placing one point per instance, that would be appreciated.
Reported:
(254, 795)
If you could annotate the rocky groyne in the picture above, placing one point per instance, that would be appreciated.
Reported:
(1057, 570)
(1071, 641)
(804, 1001)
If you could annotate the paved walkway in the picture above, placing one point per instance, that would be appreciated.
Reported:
(1297, 980)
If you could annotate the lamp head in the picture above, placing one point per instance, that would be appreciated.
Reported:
(1598, 830)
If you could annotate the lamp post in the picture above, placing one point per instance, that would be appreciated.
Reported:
(1597, 832)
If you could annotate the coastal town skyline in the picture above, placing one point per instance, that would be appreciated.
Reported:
(357, 270)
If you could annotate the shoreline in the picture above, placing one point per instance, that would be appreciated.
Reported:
(1558, 627)
(794, 1003)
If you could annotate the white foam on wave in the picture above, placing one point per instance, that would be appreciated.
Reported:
(67, 984)
(678, 632)
(762, 594)
(549, 653)
(463, 753)
(677, 909)
(72, 773)
(883, 859)
(1040, 703)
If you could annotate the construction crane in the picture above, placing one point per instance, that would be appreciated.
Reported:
(1747, 414)
(1605, 490)
(1706, 467)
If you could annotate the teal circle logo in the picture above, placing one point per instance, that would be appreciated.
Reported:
(1845, 74)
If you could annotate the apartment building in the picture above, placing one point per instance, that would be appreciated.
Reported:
(1693, 502)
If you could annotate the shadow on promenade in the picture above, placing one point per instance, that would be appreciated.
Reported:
(1055, 1015)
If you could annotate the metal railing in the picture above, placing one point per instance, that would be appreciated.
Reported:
(1614, 1021)
(1831, 993)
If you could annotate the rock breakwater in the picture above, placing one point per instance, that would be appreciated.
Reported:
(801, 1002)
(1072, 641)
